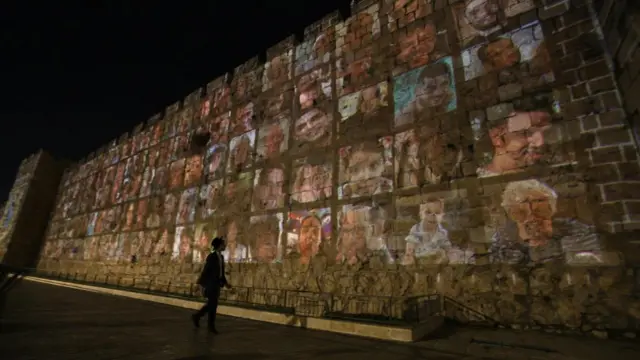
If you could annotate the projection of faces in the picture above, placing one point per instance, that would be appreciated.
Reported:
(536, 231)
(183, 242)
(314, 88)
(268, 189)
(313, 129)
(235, 251)
(365, 169)
(307, 231)
(523, 51)
(277, 70)
(362, 233)
(210, 198)
(267, 230)
(351, 32)
(518, 142)
(424, 92)
(273, 138)
(186, 208)
(313, 52)
(311, 183)
(241, 152)
(426, 156)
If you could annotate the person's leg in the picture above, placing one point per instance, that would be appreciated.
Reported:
(200, 313)
(213, 308)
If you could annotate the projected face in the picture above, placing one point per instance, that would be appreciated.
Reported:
(312, 129)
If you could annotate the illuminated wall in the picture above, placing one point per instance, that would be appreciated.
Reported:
(409, 136)
(15, 200)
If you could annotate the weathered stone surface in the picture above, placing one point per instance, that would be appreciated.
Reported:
(417, 147)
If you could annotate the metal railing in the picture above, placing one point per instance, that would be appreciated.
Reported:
(362, 308)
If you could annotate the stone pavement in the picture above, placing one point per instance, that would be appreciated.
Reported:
(49, 322)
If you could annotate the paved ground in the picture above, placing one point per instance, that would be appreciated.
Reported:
(49, 322)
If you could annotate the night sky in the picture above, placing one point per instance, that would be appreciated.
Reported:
(74, 78)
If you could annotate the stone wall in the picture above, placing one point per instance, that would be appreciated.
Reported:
(13, 206)
(477, 149)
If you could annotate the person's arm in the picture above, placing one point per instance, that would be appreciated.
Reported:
(204, 276)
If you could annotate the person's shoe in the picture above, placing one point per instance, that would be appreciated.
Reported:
(196, 320)
(213, 331)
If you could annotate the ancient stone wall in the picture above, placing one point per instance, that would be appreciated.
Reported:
(13, 206)
(477, 149)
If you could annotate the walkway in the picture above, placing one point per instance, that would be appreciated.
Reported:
(49, 322)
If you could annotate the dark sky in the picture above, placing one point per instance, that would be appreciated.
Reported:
(74, 78)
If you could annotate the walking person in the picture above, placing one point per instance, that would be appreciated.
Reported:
(212, 280)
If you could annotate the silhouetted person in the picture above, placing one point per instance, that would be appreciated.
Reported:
(212, 280)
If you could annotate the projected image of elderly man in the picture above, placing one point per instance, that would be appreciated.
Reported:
(533, 233)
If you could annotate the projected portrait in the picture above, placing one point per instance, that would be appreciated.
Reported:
(523, 50)
(157, 131)
(133, 176)
(401, 13)
(362, 108)
(277, 70)
(312, 129)
(183, 244)
(202, 245)
(214, 161)
(314, 51)
(477, 19)
(241, 152)
(273, 138)
(420, 45)
(193, 171)
(91, 248)
(164, 246)
(357, 31)
(273, 104)
(424, 92)
(237, 250)
(141, 214)
(427, 156)
(311, 180)
(218, 127)
(108, 247)
(518, 135)
(187, 206)
(314, 88)
(246, 81)
(111, 220)
(150, 239)
(220, 99)
(266, 231)
(170, 208)
(159, 180)
(210, 199)
(268, 192)
(177, 145)
(366, 169)
(307, 232)
(363, 232)
(244, 120)
(351, 76)
(147, 177)
(154, 215)
(116, 190)
(539, 224)
(176, 174)
(432, 230)
(238, 193)
(125, 148)
(129, 216)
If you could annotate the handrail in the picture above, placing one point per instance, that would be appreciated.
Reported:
(369, 308)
